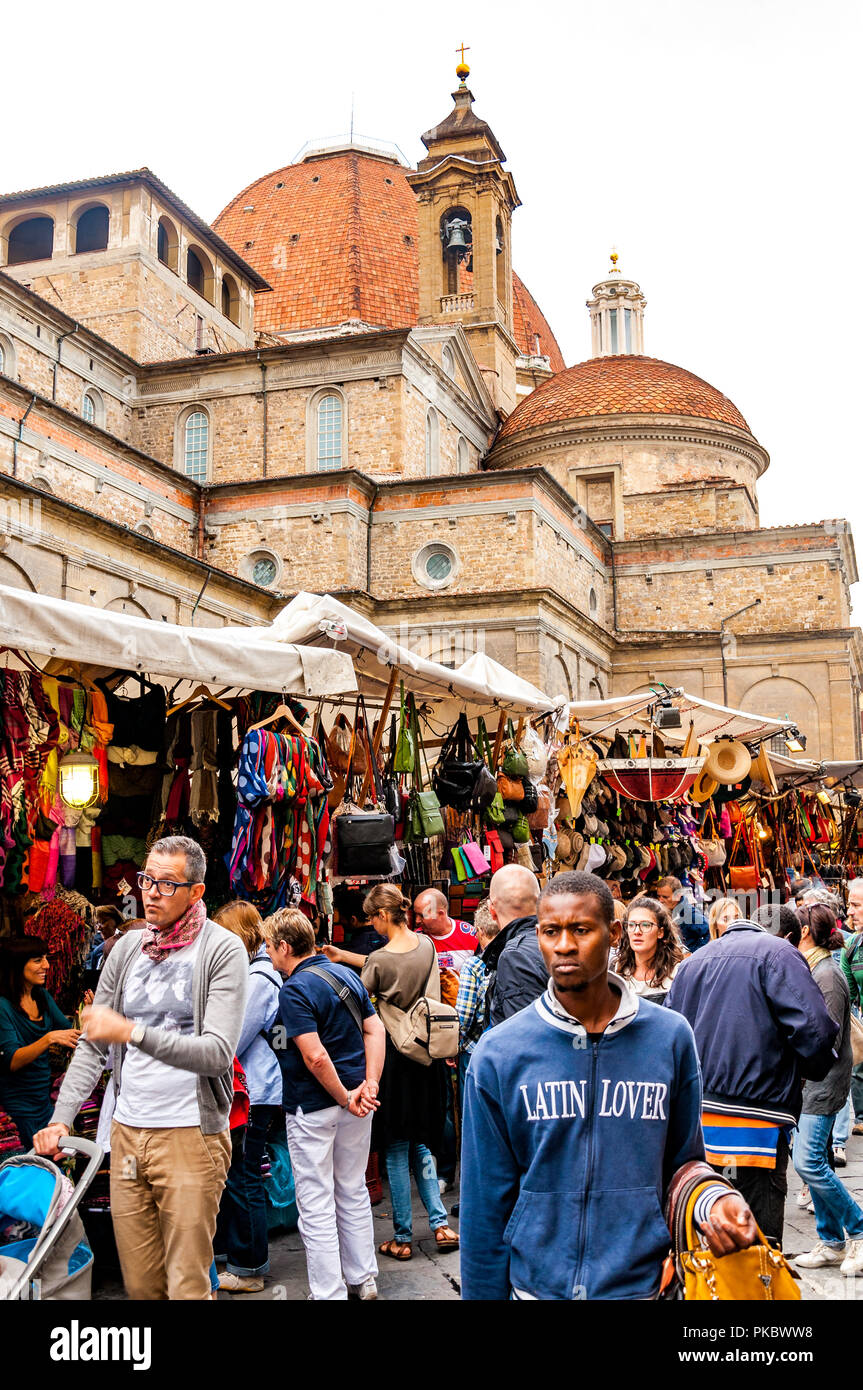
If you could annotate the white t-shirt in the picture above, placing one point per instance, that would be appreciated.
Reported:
(152, 1094)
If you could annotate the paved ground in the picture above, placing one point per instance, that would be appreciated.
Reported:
(434, 1276)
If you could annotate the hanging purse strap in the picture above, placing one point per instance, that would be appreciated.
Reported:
(374, 770)
(420, 747)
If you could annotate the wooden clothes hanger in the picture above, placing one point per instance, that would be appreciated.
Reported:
(280, 712)
(201, 692)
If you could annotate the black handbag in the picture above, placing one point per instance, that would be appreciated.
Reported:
(456, 773)
(531, 796)
(363, 844)
(364, 839)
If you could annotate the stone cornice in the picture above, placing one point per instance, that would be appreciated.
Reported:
(673, 429)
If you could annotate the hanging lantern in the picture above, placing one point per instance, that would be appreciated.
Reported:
(79, 779)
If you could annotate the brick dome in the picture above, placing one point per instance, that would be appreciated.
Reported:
(624, 385)
(336, 238)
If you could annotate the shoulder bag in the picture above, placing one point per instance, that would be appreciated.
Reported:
(455, 775)
(428, 1030)
(425, 819)
(364, 838)
(406, 752)
(514, 761)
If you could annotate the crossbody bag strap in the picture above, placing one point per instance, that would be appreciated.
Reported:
(344, 992)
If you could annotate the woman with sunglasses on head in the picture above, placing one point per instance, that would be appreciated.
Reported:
(30, 1023)
(650, 950)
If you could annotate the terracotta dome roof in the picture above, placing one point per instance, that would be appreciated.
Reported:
(625, 385)
(336, 237)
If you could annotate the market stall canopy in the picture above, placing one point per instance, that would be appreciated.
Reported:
(801, 771)
(321, 620)
(849, 772)
(626, 712)
(99, 639)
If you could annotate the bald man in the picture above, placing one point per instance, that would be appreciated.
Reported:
(454, 941)
(517, 973)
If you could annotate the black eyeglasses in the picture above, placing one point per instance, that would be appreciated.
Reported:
(165, 887)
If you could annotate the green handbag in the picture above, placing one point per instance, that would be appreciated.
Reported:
(405, 754)
(521, 831)
(425, 819)
(495, 814)
(514, 761)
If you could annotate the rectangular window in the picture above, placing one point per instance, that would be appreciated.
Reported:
(612, 322)
(607, 528)
(627, 328)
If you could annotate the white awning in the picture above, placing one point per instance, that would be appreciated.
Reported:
(232, 658)
(479, 686)
(630, 712)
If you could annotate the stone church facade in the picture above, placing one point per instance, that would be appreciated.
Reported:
(343, 385)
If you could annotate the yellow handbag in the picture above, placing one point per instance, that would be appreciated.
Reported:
(759, 1274)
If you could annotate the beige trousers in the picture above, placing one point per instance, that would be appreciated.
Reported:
(166, 1185)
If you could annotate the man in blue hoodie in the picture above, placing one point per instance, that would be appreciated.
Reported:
(578, 1111)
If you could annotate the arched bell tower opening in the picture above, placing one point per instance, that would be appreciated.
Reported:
(456, 234)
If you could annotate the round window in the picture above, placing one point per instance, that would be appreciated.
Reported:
(264, 570)
(435, 566)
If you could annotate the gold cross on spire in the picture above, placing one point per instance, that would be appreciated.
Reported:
(462, 71)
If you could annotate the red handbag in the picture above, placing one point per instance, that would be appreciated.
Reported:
(492, 839)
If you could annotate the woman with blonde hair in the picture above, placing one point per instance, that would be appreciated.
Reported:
(722, 913)
(412, 1096)
(241, 1230)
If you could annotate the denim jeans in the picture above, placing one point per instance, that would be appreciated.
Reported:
(400, 1159)
(842, 1126)
(241, 1231)
(836, 1212)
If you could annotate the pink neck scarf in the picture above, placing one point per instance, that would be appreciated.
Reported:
(157, 943)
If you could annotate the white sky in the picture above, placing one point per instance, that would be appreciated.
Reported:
(715, 144)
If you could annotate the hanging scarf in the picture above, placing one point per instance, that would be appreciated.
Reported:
(157, 943)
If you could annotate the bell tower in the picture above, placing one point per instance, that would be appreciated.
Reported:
(466, 201)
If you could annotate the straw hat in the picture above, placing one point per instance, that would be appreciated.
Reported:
(762, 769)
(703, 787)
(728, 761)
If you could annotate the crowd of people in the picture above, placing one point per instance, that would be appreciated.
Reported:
(602, 1048)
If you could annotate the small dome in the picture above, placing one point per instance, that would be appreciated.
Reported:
(624, 385)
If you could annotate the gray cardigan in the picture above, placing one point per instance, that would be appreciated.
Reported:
(827, 1097)
(220, 984)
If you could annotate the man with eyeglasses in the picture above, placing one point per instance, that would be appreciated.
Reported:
(169, 1005)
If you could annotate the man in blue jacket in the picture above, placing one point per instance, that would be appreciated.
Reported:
(760, 1025)
(578, 1111)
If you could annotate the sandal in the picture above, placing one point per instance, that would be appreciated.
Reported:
(445, 1238)
(396, 1249)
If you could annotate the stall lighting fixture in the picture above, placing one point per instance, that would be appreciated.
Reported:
(824, 796)
(795, 742)
(79, 780)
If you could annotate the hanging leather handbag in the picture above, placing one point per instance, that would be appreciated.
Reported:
(492, 839)
(475, 858)
(455, 775)
(485, 788)
(538, 819)
(510, 788)
(530, 800)
(406, 753)
(495, 814)
(426, 816)
(521, 831)
(364, 838)
(514, 761)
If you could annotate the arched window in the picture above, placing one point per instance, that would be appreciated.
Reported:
(91, 230)
(166, 243)
(432, 443)
(329, 424)
(230, 299)
(196, 445)
(93, 408)
(8, 363)
(463, 455)
(32, 240)
(199, 274)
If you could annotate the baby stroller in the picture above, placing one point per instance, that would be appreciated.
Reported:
(56, 1262)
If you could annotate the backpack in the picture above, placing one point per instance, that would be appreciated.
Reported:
(428, 1030)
